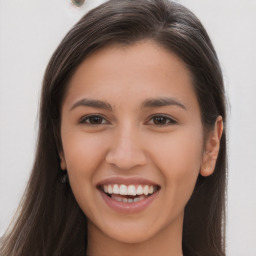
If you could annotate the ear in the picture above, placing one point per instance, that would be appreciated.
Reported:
(63, 164)
(56, 133)
(212, 147)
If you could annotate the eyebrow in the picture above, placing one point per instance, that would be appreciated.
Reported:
(92, 103)
(162, 102)
(148, 103)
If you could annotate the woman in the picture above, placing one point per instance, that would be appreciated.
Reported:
(131, 154)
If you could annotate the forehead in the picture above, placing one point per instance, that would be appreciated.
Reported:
(143, 69)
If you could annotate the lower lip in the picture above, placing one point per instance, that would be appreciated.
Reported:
(129, 207)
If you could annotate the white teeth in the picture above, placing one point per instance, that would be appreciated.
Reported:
(145, 190)
(136, 199)
(125, 200)
(130, 200)
(151, 189)
(116, 189)
(131, 190)
(110, 189)
(139, 190)
(123, 190)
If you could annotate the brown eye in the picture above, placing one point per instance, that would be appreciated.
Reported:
(161, 120)
(93, 120)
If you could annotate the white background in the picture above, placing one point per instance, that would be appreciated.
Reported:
(29, 33)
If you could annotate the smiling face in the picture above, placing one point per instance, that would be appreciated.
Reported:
(132, 141)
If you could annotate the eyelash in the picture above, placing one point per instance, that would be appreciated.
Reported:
(85, 119)
(167, 120)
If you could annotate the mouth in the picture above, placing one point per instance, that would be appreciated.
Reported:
(129, 194)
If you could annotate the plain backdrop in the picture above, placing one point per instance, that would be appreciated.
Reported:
(29, 33)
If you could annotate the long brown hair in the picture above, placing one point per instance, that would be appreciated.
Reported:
(49, 221)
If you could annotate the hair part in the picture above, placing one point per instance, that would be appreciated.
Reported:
(50, 221)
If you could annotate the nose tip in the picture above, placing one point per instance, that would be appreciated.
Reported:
(126, 153)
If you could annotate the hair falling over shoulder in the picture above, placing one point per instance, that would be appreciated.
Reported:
(49, 221)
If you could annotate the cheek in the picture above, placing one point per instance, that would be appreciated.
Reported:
(83, 155)
(180, 152)
(179, 158)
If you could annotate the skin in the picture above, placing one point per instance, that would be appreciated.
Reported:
(129, 142)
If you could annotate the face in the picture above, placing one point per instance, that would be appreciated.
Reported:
(132, 140)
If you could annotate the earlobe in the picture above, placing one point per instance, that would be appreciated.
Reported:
(212, 148)
(63, 165)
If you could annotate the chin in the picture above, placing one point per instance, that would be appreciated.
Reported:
(131, 237)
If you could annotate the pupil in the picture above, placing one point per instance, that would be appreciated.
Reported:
(95, 120)
(160, 120)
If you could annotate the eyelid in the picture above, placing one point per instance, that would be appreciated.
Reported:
(172, 120)
(83, 119)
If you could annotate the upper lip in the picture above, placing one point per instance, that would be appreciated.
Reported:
(127, 181)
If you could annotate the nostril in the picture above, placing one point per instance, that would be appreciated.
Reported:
(126, 162)
(78, 3)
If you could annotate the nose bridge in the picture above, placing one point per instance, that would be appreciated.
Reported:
(126, 150)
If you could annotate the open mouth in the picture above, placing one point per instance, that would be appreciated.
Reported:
(128, 193)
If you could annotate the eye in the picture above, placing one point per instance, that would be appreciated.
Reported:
(93, 120)
(162, 120)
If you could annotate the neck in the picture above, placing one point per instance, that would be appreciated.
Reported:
(166, 242)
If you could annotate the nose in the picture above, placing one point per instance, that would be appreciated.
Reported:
(126, 151)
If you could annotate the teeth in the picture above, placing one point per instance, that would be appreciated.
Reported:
(145, 190)
(140, 190)
(115, 189)
(151, 190)
(119, 199)
(123, 190)
(110, 189)
(127, 200)
(129, 190)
